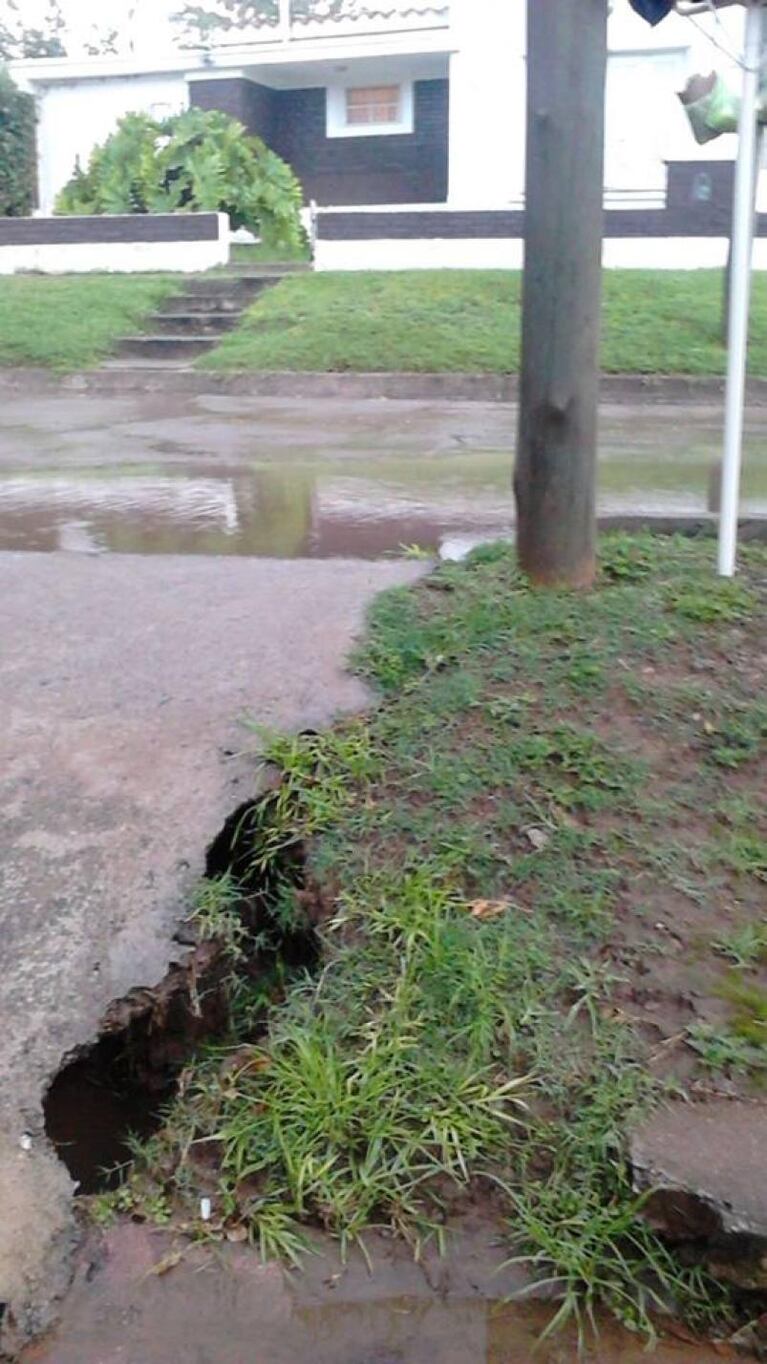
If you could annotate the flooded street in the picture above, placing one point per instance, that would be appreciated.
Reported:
(217, 475)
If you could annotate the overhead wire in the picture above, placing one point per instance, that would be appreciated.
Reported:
(712, 8)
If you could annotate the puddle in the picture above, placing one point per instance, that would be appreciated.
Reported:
(307, 499)
(410, 1331)
(225, 1308)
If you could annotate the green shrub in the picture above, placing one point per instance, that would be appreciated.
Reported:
(201, 160)
(17, 150)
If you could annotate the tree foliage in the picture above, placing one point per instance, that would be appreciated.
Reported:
(197, 160)
(202, 22)
(17, 150)
(19, 40)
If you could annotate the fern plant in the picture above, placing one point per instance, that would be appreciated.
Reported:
(198, 160)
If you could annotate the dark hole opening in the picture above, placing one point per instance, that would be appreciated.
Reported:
(121, 1086)
(93, 1107)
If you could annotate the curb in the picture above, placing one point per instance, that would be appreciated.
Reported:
(618, 389)
(704, 525)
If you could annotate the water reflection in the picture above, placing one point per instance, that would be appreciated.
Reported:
(290, 506)
(471, 1331)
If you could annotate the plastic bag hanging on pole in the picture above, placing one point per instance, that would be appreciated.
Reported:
(653, 10)
(713, 108)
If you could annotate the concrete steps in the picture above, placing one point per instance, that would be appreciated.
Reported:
(204, 303)
(180, 348)
(192, 322)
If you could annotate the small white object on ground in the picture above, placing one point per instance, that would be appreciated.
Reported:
(206, 1208)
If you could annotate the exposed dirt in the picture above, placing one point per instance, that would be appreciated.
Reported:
(117, 1087)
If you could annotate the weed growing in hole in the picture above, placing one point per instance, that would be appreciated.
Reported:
(217, 915)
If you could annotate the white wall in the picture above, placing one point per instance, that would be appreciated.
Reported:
(427, 253)
(487, 102)
(645, 122)
(75, 116)
(183, 257)
(629, 253)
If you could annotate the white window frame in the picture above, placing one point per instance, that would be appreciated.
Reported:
(336, 112)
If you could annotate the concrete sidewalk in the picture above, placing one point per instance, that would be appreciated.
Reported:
(122, 684)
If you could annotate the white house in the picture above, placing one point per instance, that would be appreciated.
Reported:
(403, 115)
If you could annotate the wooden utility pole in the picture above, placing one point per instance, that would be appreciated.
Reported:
(555, 477)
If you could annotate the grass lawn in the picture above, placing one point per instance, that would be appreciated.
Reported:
(259, 253)
(72, 321)
(537, 871)
(654, 322)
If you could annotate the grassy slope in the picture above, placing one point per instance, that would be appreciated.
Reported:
(72, 321)
(655, 321)
(550, 779)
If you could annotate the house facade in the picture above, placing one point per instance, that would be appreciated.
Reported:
(397, 106)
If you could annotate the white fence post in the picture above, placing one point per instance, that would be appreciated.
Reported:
(740, 292)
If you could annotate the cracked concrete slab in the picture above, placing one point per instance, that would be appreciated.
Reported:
(123, 683)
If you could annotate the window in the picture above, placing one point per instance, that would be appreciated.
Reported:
(372, 104)
(369, 110)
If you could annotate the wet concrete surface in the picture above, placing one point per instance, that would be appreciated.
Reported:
(221, 1305)
(123, 683)
(223, 475)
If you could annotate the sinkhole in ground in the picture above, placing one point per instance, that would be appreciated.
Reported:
(118, 1088)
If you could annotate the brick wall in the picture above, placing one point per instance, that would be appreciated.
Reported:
(110, 229)
(698, 204)
(390, 169)
(242, 99)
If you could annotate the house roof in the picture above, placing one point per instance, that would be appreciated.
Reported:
(359, 9)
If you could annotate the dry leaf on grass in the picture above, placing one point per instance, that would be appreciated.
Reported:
(168, 1262)
(488, 909)
(237, 1234)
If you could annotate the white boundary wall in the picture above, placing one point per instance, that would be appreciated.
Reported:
(486, 253)
(117, 257)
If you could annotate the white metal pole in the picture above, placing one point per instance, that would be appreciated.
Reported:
(740, 292)
(284, 19)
